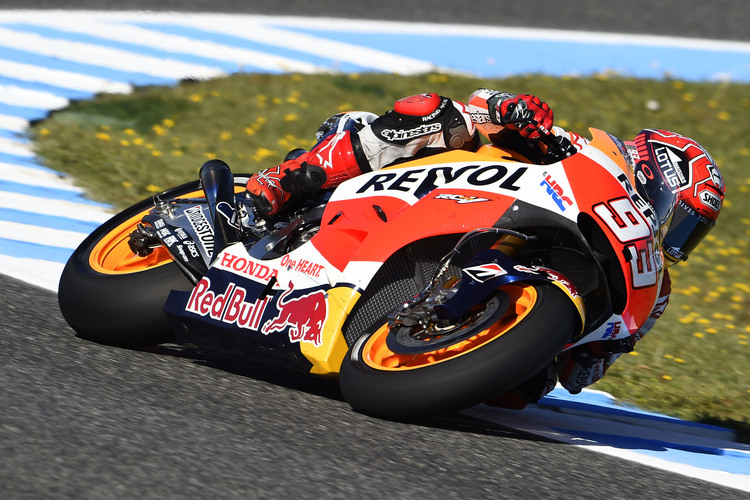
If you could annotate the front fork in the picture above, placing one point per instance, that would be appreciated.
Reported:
(489, 270)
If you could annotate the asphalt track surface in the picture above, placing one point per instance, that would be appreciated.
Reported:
(79, 420)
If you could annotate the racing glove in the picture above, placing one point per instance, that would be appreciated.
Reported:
(516, 113)
(266, 190)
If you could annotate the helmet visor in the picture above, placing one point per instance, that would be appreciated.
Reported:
(651, 184)
(686, 231)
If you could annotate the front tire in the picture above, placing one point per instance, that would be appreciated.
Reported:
(519, 341)
(109, 295)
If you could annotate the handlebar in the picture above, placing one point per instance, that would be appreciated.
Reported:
(558, 147)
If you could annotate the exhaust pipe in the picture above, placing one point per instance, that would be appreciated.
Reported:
(218, 185)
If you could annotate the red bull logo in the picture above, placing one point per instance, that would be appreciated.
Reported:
(303, 316)
(229, 307)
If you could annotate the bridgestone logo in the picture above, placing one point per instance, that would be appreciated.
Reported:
(400, 135)
(202, 228)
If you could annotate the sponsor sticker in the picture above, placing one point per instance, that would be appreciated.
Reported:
(302, 317)
(710, 199)
(229, 307)
(202, 228)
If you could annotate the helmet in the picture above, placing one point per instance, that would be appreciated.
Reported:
(350, 120)
(684, 186)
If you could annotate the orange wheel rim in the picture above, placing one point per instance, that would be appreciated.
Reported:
(376, 353)
(112, 254)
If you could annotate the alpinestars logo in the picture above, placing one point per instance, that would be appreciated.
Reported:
(325, 151)
(401, 135)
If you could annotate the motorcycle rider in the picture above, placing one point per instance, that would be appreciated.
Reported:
(676, 175)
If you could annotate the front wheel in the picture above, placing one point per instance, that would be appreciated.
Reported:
(399, 374)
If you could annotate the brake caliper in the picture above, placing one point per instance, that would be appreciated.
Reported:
(143, 240)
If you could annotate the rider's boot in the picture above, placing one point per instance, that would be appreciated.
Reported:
(527, 392)
(327, 165)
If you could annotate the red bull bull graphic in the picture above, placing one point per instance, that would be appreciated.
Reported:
(304, 316)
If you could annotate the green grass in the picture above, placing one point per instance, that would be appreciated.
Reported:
(694, 365)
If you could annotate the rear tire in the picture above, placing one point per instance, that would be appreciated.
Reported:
(379, 382)
(121, 306)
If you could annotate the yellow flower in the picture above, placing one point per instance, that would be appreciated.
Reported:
(177, 153)
(679, 360)
(666, 377)
(44, 131)
(138, 141)
(262, 153)
(155, 153)
(225, 135)
(151, 188)
(195, 97)
(129, 131)
(127, 184)
(159, 130)
(724, 116)
(698, 335)
(124, 143)
(168, 122)
(249, 131)
(688, 97)
(102, 136)
(290, 117)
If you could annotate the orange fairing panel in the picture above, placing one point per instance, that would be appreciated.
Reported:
(602, 141)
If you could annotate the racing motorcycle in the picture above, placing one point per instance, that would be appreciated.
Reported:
(425, 287)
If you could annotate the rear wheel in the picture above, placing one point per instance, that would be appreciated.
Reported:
(402, 373)
(109, 294)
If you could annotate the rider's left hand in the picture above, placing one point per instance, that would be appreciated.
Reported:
(517, 113)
